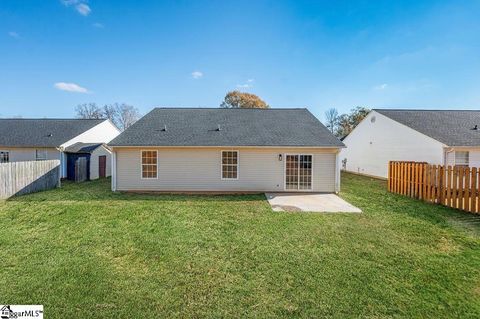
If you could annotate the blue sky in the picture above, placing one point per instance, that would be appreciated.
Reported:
(56, 54)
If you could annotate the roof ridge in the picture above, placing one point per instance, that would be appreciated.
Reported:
(426, 110)
(50, 119)
(221, 108)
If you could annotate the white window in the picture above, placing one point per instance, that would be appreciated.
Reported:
(462, 158)
(4, 156)
(229, 164)
(149, 164)
(41, 155)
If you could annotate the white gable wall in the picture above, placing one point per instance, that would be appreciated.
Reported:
(370, 146)
(101, 133)
(474, 158)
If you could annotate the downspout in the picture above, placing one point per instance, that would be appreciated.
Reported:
(447, 151)
(337, 172)
(114, 170)
(62, 159)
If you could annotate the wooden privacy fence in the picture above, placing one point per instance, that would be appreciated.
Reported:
(456, 186)
(20, 178)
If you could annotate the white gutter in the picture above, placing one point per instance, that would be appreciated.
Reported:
(337, 172)
(447, 151)
(114, 171)
(220, 146)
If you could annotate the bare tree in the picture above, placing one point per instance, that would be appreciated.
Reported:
(122, 115)
(127, 115)
(110, 111)
(331, 117)
(88, 111)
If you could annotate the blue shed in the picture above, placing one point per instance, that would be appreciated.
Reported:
(76, 151)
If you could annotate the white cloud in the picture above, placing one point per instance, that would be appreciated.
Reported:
(70, 87)
(83, 9)
(98, 25)
(14, 34)
(246, 85)
(197, 74)
(80, 6)
(70, 2)
(380, 87)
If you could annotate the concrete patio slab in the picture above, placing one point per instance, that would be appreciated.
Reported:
(296, 202)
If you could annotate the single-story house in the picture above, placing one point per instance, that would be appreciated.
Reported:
(46, 139)
(439, 137)
(98, 157)
(226, 150)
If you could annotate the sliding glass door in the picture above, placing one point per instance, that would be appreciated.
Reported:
(298, 172)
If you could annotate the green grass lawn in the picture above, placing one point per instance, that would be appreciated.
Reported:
(84, 252)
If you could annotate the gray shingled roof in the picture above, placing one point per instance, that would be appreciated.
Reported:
(42, 132)
(238, 127)
(82, 147)
(453, 128)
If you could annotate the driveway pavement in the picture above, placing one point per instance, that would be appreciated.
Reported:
(295, 202)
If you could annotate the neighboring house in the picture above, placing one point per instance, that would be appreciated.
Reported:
(98, 157)
(46, 139)
(226, 150)
(433, 136)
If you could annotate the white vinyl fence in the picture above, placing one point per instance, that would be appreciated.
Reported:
(20, 178)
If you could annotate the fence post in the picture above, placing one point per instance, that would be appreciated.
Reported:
(417, 180)
(449, 186)
(461, 196)
(389, 183)
(474, 195)
(467, 189)
(395, 179)
(441, 185)
(402, 178)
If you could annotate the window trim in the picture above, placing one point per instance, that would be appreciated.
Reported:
(285, 172)
(8, 152)
(36, 154)
(141, 164)
(221, 165)
(455, 158)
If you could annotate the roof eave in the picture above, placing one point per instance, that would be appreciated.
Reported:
(229, 146)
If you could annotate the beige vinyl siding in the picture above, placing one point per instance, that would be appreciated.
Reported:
(94, 162)
(23, 154)
(199, 169)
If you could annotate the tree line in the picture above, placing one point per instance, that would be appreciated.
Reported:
(124, 115)
(341, 125)
(121, 114)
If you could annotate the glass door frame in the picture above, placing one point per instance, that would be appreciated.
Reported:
(298, 173)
